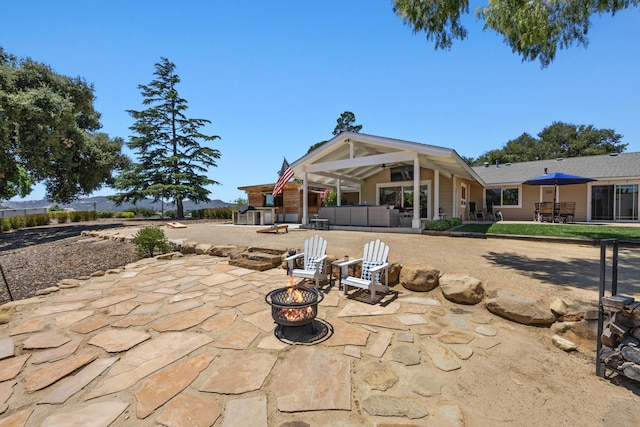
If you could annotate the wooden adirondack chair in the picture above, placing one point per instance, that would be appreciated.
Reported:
(374, 262)
(315, 254)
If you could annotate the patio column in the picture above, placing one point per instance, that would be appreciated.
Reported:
(454, 191)
(339, 191)
(415, 222)
(305, 202)
(436, 194)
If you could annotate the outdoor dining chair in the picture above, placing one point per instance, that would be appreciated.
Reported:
(374, 262)
(475, 212)
(546, 212)
(314, 256)
(567, 211)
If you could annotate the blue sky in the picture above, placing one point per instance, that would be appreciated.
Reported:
(273, 76)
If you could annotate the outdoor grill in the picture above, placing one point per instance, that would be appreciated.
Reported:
(294, 305)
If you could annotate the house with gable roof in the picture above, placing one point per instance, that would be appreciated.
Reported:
(426, 182)
(613, 196)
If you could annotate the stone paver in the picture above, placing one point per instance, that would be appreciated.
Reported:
(53, 309)
(321, 380)
(239, 374)
(89, 325)
(220, 322)
(7, 348)
(238, 338)
(189, 410)
(9, 368)
(99, 414)
(47, 339)
(361, 309)
(246, 412)
(111, 300)
(67, 319)
(43, 377)
(440, 355)
(381, 343)
(6, 389)
(115, 341)
(17, 419)
(161, 386)
(71, 385)
(185, 320)
(57, 353)
(33, 325)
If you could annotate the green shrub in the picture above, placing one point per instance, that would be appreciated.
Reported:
(30, 220)
(437, 225)
(148, 239)
(90, 215)
(124, 214)
(454, 222)
(5, 224)
(212, 213)
(62, 217)
(104, 214)
(142, 212)
(54, 208)
(40, 219)
(75, 216)
(170, 214)
(17, 222)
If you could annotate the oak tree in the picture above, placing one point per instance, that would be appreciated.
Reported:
(48, 133)
(556, 140)
(534, 29)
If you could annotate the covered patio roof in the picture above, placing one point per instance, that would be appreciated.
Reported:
(351, 158)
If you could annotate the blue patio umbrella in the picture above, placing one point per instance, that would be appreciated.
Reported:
(556, 179)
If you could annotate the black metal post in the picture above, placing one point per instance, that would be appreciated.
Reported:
(603, 263)
(6, 283)
(614, 268)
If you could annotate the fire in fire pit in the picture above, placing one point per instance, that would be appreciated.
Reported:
(294, 305)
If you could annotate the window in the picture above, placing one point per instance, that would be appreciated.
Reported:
(390, 196)
(401, 196)
(269, 200)
(463, 196)
(402, 173)
(508, 196)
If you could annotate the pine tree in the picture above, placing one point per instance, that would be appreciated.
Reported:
(172, 162)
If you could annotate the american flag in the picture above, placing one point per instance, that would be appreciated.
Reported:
(286, 173)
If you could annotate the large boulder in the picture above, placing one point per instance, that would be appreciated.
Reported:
(519, 308)
(223, 250)
(461, 289)
(188, 247)
(394, 273)
(202, 248)
(419, 278)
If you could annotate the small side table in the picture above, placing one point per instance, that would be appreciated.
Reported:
(335, 265)
(320, 223)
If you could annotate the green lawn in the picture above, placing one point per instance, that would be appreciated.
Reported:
(556, 230)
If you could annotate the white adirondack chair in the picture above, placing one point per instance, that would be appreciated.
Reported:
(315, 254)
(374, 262)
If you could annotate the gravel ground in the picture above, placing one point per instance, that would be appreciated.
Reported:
(39, 257)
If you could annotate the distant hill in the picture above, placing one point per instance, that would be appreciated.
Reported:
(103, 204)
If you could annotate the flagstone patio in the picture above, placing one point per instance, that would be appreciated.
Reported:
(190, 341)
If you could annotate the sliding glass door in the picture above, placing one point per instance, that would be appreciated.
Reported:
(614, 202)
